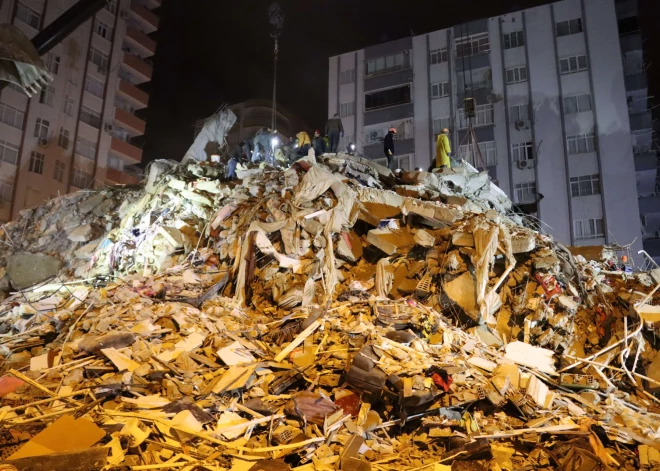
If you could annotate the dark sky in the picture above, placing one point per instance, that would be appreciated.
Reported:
(212, 52)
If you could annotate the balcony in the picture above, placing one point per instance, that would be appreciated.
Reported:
(141, 41)
(147, 20)
(122, 178)
(131, 123)
(139, 70)
(126, 151)
(137, 97)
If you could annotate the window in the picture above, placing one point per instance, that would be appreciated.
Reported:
(68, 105)
(518, 113)
(588, 228)
(483, 116)
(440, 124)
(47, 95)
(85, 147)
(580, 143)
(36, 162)
(488, 154)
(99, 58)
(515, 39)
(522, 151)
(570, 65)
(439, 90)
(103, 29)
(59, 171)
(564, 28)
(94, 86)
(629, 25)
(516, 74)
(91, 117)
(438, 56)
(585, 185)
(27, 15)
(526, 192)
(81, 179)
(389, 63)
(63, 141)
(472, 45)
(11, 116)
(111, 6)
(577, 104)
(41, 128)
(8, 152)
(389, 97)
(347, 109)
(115, 162)
(53, 63)
(347, 76)
(6, 189)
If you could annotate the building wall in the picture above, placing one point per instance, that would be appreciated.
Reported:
(112, 94)
(437, 98)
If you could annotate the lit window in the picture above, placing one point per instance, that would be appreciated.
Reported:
(526, 192)
(438, 56)
(28, 15)
(564, 28)
(47, 95)
(588, 228)
(522, 151)
(515, 39)
(439, 90)
(573, 64)
(8, 152)
(577, 104)
(59, 171)
(516, 74)
(36, 162)
(41, 128)
(580, 143)
(585, 185)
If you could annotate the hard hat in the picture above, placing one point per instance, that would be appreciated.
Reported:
(624, 258)
(445, 130)
(317, 132)
(392, 130)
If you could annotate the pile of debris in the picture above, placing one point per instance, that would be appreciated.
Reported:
(332, 315)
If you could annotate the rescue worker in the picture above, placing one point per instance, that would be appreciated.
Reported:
(334, 129)
(234, 158)
(442, 150)
(304, 143)
(318, 143)
(389, 147)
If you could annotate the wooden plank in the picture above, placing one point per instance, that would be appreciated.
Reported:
(298, 340)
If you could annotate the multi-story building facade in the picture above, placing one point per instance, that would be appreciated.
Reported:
(551, 114)
(78, 131)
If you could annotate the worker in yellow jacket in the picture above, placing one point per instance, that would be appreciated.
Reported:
(442, 150)
(304, 143)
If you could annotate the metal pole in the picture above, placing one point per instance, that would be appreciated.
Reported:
(272, 125)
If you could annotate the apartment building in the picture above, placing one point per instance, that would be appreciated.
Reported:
(79, 131)
(552, 109)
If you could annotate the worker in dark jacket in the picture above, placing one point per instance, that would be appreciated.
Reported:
(333, 129)
(318, 143)
(389, 147)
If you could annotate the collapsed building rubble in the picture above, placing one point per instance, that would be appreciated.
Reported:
(332, 315)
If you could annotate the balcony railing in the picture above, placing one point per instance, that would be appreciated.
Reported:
(126, 151)
(128, 120)
(138, 97)
(140, 70)
(140, 39)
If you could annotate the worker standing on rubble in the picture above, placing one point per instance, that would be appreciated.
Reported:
(442, 150)
(389, 147)
(304, 143)
(318, 143)
(334, 129)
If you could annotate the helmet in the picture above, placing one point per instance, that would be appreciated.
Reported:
(392, 130)
(317, 132)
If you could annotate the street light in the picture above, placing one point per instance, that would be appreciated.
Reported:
(276, 20)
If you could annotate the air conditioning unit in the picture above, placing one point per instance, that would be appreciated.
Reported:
(123, 14)
(523, 164)
(376, 135)
(43, 142)
(520, 124)
(109, 127)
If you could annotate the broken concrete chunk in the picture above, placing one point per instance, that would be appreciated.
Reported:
(462, 239)
(90, 203)
(117, 340)
(389, 241)
(25, 269)
(463, 291)
(81, 233)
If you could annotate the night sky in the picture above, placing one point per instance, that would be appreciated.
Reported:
(212, 52)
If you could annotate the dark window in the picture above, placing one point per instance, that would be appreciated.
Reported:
(390, 97)
(628, 25)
